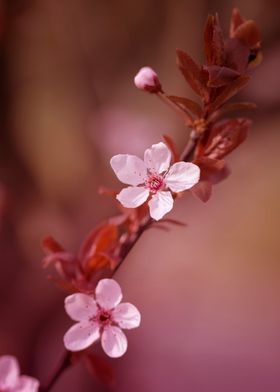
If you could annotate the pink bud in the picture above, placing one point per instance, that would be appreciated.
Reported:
(147, 80)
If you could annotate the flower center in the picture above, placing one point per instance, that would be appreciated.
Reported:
(154, 182)
(104, 317)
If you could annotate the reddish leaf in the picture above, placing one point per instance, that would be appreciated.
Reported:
(106, 237)
(220, 175)
(214, 42)
(237, 55)
(220, 76)
(98, 240)
(206, 162)
(64, 262)
(171, 145)
(100, 368)
(229, 91)
(188, 104)
(236, 21)
(89, 242)
(193, 74)
(230, 107)
(248, 33)
(202, 190)
(225, 136)
(49, 244)
(212, 170)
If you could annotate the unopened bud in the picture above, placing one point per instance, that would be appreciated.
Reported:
(147, 80)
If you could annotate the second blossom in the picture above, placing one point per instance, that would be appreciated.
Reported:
(153, 176)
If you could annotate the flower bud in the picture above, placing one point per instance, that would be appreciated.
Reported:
(147, 80)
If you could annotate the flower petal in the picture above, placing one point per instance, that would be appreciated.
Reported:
(157, 158)
(80, 306)
(9, 372)
(133, 196)
(182, 176)
(108, 294)
(160, 204)
(113, 342)
(129, 169)
(81, 335)
(127, 316)
(26, 384)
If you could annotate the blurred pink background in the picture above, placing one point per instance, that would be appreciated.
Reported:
(209, 293)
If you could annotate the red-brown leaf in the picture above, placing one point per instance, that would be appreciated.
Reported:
(193, 74)
(214, 42)
(236, 21)
(226, 136)
(202, 190)
(248, 33)
(229, 91)
(188, 104)
(50, 245)
(230, 107)
(237, 55)
(220, 76)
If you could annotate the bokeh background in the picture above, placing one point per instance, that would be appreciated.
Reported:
(209, 294)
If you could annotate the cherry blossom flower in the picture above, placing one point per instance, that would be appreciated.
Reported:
(152, 177)
(102, 316)
(10, 379)
(147, 80)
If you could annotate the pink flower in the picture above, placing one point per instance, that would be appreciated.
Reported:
(100, 316)
(10, 379)
(147, 80)
(152, 177)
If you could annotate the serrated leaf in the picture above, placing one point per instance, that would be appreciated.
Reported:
(193, 74)
(226, 136)
(214, 42)
(188, 104)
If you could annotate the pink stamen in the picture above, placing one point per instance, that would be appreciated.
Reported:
(103, 318)
(154, 183)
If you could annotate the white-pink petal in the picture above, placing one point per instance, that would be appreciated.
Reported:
(132, 196)
(108, 294)
(81, 335)
(26, 384)
(157, 158)
(113, 342)
(80, 306)
(9, 372)
(127, 316)
(182, 176)
(129, 169)
(160, 204)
